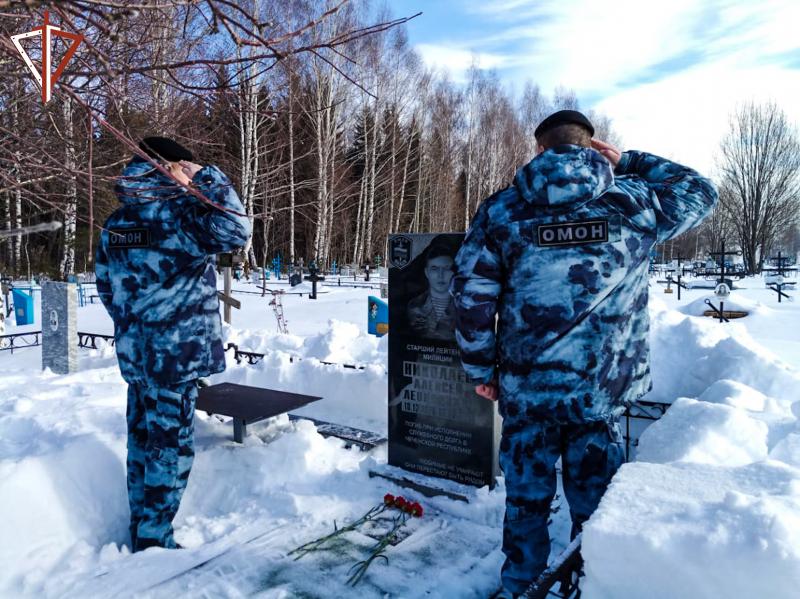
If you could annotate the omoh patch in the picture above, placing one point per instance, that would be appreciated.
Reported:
(573, 233)
(129, 238)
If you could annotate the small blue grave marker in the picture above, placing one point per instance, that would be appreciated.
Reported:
(377, 316)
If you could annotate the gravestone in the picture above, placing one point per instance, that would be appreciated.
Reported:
(438, 425)
(59, 327)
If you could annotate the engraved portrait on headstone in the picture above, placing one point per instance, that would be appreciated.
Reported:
(431, 314)
(437, 424)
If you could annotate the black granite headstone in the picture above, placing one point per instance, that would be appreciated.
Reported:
(438, 425)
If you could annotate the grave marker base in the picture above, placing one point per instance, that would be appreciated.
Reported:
(425, 485)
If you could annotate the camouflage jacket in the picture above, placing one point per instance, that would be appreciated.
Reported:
(155, 272)
(561, 259)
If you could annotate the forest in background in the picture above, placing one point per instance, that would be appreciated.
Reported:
(332, 129)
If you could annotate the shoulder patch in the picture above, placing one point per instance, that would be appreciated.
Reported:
(573, 233)
(129, 238)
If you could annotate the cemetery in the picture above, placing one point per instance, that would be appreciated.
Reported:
(399, 300)
(329, 442)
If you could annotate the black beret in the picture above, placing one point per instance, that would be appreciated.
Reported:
(164, 148)
(563, 117)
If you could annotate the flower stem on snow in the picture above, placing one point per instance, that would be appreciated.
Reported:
(319, 544)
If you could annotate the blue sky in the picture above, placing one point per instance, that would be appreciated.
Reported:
(668, 73)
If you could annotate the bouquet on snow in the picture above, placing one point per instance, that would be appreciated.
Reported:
(405, 509)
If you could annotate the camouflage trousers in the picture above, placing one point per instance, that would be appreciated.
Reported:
(160, 455)
(590, 454)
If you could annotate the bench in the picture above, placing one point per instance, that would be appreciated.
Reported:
(248, 405)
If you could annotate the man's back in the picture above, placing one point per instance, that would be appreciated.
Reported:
(155, 272)
(562, 258)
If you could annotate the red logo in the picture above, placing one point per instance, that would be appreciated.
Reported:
(46, 31)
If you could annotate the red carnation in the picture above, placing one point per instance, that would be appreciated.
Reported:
(400, 502)
(416, 510)
(388, 499)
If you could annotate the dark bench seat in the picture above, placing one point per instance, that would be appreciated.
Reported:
(247, 405)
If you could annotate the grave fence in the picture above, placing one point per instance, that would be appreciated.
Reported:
(20, 340)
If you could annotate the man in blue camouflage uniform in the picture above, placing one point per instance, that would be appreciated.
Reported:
(155, 276)
(561, 259)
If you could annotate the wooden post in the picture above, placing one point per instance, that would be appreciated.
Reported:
(227, 277)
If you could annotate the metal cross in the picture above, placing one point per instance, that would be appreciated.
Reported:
(722, 253)
(313, 276)
(781, 265)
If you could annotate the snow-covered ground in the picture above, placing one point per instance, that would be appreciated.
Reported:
(711, 507)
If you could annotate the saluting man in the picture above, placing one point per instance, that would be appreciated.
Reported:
(155, 276)
(561, 259)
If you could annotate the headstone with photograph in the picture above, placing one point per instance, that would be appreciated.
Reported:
(438, 425)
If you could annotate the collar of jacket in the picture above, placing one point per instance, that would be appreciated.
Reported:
(142, 182)
(564, 176)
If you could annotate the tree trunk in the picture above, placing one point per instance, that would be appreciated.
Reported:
(371, 187)
(68, 255)
(403, 186)
(291, 174)
(249, 154)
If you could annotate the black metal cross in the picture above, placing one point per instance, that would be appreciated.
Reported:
(722, 253)
(669, 280)
(313, 276)
(778, 288)
(718, 311)
(781, 264)
(680, 274)
(780, 269)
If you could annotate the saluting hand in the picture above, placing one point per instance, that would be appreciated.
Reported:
(610, 153)
(190, 169)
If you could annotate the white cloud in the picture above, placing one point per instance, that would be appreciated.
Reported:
(457, 61)
(684, 117)
(722, 54)
(593, 45)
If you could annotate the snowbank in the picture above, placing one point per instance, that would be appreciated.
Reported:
(704, 433)
(688, 355)
(683, 530)
(712, 507)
